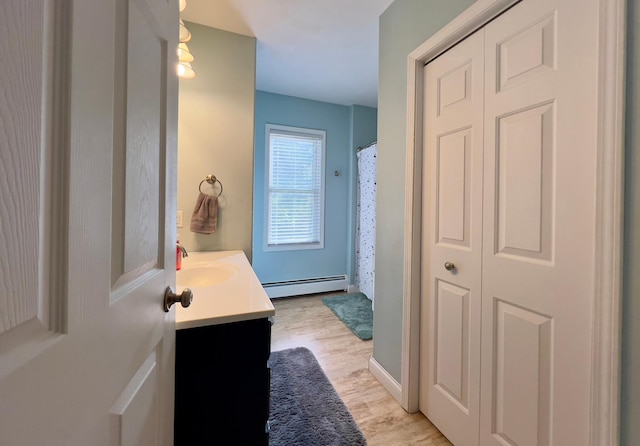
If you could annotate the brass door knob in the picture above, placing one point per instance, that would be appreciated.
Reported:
(185, 298)
(449, 266)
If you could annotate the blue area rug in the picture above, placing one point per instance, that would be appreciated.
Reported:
(354, 310)
(305, 408)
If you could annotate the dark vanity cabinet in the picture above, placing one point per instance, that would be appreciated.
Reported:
(223, 384)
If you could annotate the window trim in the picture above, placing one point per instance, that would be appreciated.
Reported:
(267, 169)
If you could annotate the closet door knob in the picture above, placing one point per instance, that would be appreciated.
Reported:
(449, 266)
(185, 298)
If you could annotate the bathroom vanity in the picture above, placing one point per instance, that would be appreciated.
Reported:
(223, 342)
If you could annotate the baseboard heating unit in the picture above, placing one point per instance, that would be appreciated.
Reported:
(306, 286)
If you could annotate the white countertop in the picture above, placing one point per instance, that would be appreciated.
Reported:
(238, 297)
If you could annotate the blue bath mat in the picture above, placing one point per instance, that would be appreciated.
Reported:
(354, 310)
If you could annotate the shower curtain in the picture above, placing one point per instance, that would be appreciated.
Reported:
(366, 221)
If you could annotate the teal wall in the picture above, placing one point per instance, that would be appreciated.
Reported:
(630, 391)
(405, 25)
(362, 132)
(336, 120)
(364, 125)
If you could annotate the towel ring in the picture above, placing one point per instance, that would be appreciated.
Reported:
(211, 179)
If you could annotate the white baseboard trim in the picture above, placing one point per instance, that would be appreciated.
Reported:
(388, 382)
(353, 289)
(305, 286)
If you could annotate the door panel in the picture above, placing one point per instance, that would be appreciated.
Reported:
(450, 338)
(138, 199)
(452, 342)
(137, 208)
(145, 99)
(32, 155)
(453, 179)
(454, 89)
(89, 143)
(539, 224)
(135, 413)
(527, 53)
(522, 413)
(525, 155)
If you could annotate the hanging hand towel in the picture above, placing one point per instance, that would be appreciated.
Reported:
(205, 215)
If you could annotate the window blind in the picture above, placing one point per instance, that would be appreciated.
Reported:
(295, 186)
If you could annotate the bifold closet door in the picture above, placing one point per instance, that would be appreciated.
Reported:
(509, 228)
(539, 223)
(452, 241)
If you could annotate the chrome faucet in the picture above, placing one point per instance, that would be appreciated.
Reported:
(183, 250)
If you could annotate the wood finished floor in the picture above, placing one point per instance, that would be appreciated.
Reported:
(307, 322)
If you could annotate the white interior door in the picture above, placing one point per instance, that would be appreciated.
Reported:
(539, 223)
(537, 257)
(450, 347)
(87, 204)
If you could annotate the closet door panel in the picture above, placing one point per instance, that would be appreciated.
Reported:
(538, 229)
(525, 182)
(452, 338)
(454, 188)
(526, 54)
(452, 219)
(454, 90)
(523, 354)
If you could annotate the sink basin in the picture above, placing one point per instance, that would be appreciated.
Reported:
(202, 276)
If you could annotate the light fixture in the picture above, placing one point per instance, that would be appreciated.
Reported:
(184, 68)
(185, 35)
(184, 55)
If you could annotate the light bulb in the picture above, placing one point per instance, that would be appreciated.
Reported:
(185, 70)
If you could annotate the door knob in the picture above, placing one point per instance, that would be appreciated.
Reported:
(185, 298)
(449, 266)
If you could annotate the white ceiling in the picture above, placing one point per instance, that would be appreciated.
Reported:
(326, 50)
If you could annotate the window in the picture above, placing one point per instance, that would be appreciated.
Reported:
(295, 188)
